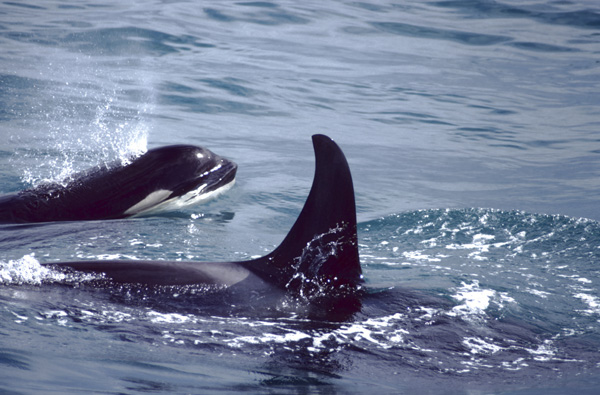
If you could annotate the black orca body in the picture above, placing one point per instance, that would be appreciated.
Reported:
(174, 176)
(318, 257)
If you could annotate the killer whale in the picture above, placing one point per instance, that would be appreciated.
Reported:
(318, 257)
(162, 178)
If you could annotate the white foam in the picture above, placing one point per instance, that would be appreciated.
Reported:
(382, 332)
(61, 317)
(592, 301)
(419, 256)
(475, 300)
(480, 346)
(27, 270)
(544, 352)
(172, 318)
(537, 292)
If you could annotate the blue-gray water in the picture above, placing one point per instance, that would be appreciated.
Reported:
(471, 129)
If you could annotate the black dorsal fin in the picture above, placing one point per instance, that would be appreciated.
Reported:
(321, 249)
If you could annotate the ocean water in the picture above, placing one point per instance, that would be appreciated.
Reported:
(472, 132)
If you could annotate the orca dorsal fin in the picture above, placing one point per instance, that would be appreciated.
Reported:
(321, 249)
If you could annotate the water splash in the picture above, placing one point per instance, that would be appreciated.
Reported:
(28, 270)
(85, 120)
(120, 141)
(105, 140)
(474, 301)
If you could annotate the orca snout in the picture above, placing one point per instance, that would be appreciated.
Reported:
(210, 171)
(227, 169)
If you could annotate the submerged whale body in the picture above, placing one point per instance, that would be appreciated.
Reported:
(317, 259)
(161, 179)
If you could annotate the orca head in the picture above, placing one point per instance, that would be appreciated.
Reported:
(162, 179)
(182, 175)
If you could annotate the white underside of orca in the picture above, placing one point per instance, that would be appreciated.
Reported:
(149, 201)
(160, 201)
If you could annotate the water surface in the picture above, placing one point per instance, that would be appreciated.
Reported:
(471, 131)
